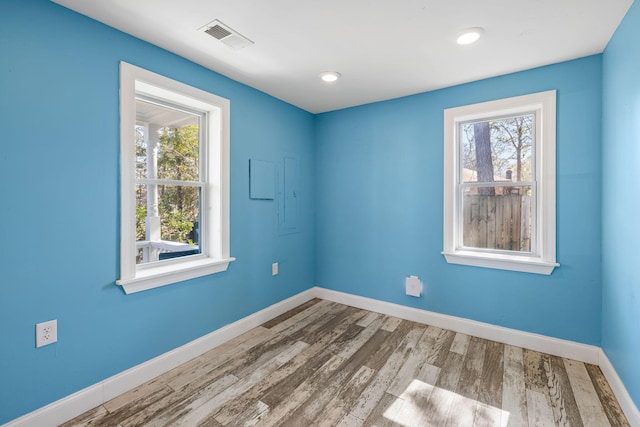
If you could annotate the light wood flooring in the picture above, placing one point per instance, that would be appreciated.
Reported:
(327, 364)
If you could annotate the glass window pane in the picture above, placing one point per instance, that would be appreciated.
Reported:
(498, 150)
(497, 217)
(167, 142)
(141, 152)
(167, 221)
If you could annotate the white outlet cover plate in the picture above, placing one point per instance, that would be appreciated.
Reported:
(46, 333)
(413, 286)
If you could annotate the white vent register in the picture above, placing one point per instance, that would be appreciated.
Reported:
(226, 35)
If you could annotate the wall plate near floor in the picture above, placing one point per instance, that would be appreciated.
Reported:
(46, 333)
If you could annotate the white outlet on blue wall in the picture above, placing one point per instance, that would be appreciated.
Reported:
(413, 286)
(46, 333)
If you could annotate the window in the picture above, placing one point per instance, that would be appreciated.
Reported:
(499, 184)
(174, 181)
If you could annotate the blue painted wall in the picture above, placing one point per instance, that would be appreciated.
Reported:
(621, 204)
(379, 177)
(59, 227)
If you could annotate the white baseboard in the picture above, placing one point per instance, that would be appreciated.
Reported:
(555, 346)
(626, 403)
(73, 405)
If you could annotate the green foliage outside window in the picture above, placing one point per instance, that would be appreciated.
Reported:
(141, 215)
(178, 159)
(178, 205)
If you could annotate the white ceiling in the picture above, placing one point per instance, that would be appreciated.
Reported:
(383, 48)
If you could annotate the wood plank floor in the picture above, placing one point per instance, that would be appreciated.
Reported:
(327, 364)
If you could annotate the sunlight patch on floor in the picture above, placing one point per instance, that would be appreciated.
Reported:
(423, 404)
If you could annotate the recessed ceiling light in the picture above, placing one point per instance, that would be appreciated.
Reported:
(470, 35)
(329, 76)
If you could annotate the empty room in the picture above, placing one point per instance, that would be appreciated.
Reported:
(302, 213)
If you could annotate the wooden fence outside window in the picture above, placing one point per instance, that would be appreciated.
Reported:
(497, 222)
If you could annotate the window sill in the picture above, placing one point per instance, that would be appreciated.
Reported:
(501, 262)
(167, 274)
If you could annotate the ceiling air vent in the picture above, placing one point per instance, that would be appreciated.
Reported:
(226, 35)
(218, 32)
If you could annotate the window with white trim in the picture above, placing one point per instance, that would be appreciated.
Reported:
(499, 184)
(174, 168)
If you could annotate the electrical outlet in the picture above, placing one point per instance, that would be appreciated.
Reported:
(46, 333)
(274, 269)
(413, 286)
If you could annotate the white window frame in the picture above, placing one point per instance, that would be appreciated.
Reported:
(542, 259)
(214, 256)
